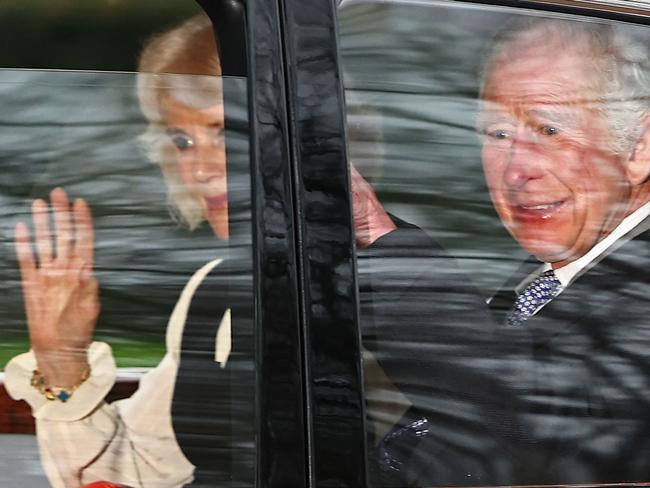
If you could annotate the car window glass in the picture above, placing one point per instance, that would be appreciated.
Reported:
(165, 173)
(493, 138)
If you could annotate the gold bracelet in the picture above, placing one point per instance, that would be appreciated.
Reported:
(56, 392)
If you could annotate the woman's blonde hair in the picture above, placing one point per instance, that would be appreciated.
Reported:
(183, 64)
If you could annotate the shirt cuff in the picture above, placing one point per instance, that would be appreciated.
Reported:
(86, 397)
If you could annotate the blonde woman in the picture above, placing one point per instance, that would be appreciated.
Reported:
(66, 376)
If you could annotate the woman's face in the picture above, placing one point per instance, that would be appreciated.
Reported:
(198, 138)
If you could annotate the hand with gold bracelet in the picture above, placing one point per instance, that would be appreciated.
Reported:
(61, 295)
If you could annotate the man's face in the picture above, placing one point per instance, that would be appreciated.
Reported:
(198, 136)
(554, 182)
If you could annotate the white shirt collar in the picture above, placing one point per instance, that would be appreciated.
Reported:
(567, 273)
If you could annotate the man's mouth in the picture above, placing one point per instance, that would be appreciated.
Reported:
(216, 202)
(541, 206)
(534, 210)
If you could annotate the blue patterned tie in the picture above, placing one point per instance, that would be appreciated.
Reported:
(541, 290)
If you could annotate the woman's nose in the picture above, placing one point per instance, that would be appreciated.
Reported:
(208, 162)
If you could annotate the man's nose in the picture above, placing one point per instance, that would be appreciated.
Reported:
(524, 160)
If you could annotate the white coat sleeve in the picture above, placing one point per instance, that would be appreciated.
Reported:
(129, 441)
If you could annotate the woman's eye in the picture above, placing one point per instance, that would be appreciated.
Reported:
(181, 140)
(549, 130)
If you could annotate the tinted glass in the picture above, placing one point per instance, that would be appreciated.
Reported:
(500, 143)
(160, 158)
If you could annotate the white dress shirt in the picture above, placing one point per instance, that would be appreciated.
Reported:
(568, 273)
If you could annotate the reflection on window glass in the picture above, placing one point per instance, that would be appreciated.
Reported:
(501, 183)
(126, 215)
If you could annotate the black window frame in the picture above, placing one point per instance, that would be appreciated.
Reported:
(311, 413)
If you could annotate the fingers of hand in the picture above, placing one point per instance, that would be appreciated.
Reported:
(27, 265)
(353, 171)
(74, 233)
(61, 295)
(361, 192)
(356, 180)
(24, 252)
(50, 277)
(85, 236)
(63, 224)
(42, 232)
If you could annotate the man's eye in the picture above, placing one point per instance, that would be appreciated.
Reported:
(549, 130)
(498, 133)
(180, 140)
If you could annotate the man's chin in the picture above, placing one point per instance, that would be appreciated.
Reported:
(545, 251)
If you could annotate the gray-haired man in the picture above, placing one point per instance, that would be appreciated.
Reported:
(561, 392)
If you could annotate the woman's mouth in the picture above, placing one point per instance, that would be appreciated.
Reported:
(216, 202)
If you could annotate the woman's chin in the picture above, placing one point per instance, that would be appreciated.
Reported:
(220, 229)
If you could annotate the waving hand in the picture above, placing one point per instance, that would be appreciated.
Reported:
(61, 295)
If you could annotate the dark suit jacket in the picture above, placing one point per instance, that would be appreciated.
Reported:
(582, 370)
(565, 398)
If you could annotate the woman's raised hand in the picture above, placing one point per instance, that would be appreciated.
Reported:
(61, 295)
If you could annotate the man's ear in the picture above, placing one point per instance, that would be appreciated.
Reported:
(638, 163)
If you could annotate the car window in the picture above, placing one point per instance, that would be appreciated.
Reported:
(493, 138)
(103, 105)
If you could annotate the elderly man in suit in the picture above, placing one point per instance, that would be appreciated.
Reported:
(566, 156)
(552, 385)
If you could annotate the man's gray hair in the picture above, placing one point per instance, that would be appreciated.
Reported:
(621, 68)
